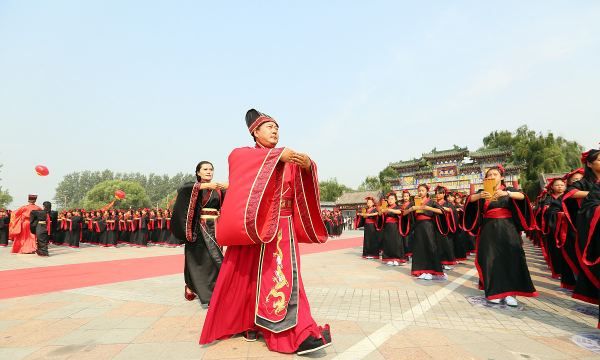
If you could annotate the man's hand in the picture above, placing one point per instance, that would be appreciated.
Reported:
(301, 160)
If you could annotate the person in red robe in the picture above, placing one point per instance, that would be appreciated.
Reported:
(272, 205)
(24, 242)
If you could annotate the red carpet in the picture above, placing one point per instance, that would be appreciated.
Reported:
(40, 280)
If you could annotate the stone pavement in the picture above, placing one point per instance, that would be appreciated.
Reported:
(375, 312)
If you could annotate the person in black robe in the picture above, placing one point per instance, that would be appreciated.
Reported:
(371, 238)
(4, 222)
(584, 289)
(587, 223)
(446, 238)
(43, 224)
(195, 212)
(430, 223)
(75, 230)
(109, 237)
(393, 248)
(406, 224)
(499, 219)
(459, 235)
(555, 222)
(61, 230)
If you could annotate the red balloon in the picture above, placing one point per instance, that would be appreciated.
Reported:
(41, 170)
(120, 194)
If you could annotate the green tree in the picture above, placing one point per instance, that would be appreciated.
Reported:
(5, 197)
(331, 189)
(540, 153)
(384, 176)
(104, 192)
(72, 189)
(370, 183)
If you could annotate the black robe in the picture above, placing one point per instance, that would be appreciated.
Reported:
(501, 260)
(393, 247)
(371, 239)
(75, 232)
(203, 256)
(588, 229)
(4, 221)
(425, 243)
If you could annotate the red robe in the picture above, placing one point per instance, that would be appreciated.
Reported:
(19, 231)
(270, 207)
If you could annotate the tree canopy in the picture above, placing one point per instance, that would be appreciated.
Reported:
(540, 153)
(103, 193)
(330, 189)
(71, 191)
(5, 197)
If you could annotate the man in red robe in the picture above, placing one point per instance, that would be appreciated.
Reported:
(272, 204)
(24, 241)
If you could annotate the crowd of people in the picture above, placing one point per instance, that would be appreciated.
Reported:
(107, 228)
(274, 205)
(433, 234)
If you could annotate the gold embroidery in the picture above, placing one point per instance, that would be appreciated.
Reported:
(279, 279)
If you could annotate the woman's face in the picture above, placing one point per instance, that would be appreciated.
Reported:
(450, 199)
(422, 191)
(494, 174)
(205, 172)
(575, 178)
(439, 196)
(370, 203)
(595, 166)
(558, 187)
(406, 197)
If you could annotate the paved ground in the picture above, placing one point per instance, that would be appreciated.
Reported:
(375, 312)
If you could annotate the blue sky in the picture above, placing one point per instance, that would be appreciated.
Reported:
(154, 86)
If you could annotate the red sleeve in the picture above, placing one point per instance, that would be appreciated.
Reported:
(308, 224)
(250, 212)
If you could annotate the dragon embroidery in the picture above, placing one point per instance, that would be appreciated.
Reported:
(279, 280)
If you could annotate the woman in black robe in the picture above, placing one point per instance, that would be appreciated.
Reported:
(446, 239)
(61, 230)
(499, 219)
(195, 212)
(584, 289)
(111, 233)
(393, 248)
(460, 238)
(406, 225)
(588, 221)
(74, 235)
(429, 223)
(371, 231)
(554, 221)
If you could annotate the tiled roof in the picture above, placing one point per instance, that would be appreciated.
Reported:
(406, 164)
(489, 153)
(459, 153)
(356, 197)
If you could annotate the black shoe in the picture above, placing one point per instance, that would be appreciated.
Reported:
(312, 344)
(326, 333)
(250, 335)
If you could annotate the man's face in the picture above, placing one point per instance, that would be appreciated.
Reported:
(205, 172)
(267, 134)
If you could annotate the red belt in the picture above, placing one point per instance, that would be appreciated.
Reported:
(391, 220)
(423, 218)
(370, 221)
(498, 213)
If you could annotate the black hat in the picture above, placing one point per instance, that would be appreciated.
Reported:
(255, 118)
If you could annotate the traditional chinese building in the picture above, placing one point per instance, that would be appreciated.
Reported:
(455, 169)
(352, 202)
